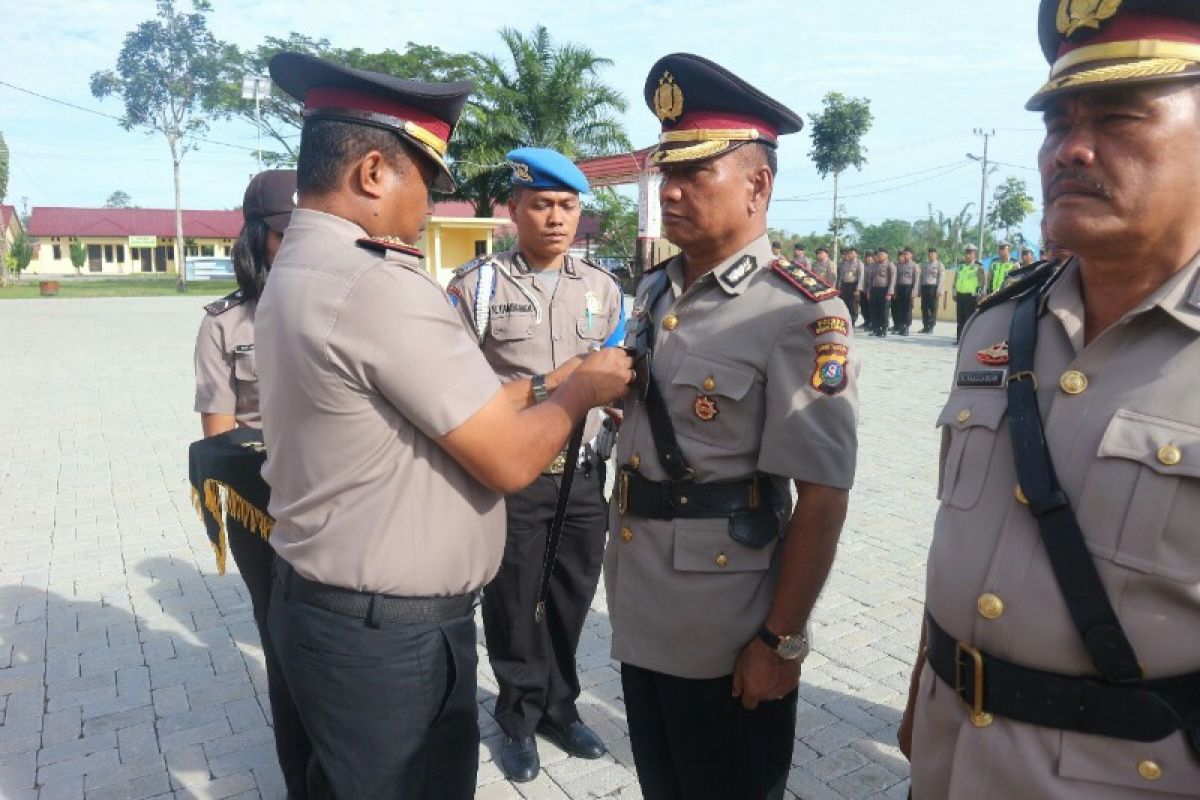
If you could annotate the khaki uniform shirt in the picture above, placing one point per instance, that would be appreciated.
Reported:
(851, 272)
(907, 273)
(226, 374)
(531, 331)
(1137, 511)
(931, 273)
(683, 597)
(826, 272)
(882, 276)
(364, 366)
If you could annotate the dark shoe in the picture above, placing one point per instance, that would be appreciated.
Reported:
(519, 759)
(577, 739)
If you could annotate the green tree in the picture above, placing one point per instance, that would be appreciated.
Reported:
(618, 224)
(78, 255)
(837, 143)
(1011, 204)
(21, 253)
(168, 76)
(119, 199)
(282, 115)
(3, 194)
(541, 95)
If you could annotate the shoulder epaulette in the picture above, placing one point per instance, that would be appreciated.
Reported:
(218, 307)
(467, 268)
(660, 265)
(381, 244)
(601, 270)
(809, 284)
(1032, 277)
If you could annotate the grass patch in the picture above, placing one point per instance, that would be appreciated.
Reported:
(113, 287)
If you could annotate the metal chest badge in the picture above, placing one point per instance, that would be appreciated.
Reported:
(994, 356)
(706, 407)
(668, 98)
(829, 376)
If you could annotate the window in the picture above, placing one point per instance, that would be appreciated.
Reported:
(190, 250)
(120, 254)
(207, 250)
(480, 247)
(227, 249)
(108, 254)
(58, 252)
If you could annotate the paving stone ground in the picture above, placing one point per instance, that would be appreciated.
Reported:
(130, 669)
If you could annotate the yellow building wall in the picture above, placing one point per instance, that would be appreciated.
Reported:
(450, 243)
(122, 263)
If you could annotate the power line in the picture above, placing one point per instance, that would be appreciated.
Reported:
(1016, 166)
(819, 196)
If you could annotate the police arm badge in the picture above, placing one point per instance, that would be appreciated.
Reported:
(829, 375)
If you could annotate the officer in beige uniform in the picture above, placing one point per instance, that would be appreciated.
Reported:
(532, 309)
(389, 444)
(850, 281)
(881, 284)
(823, 268)
(931, 289)
(710, 575)
(1061, 646)
(908, 275)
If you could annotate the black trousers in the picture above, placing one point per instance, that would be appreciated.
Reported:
(254, 558)
(879, 310)
(902, 305)
(966, 307)
(534, 663)
(864, 305)
(390, 709)
(849, 292)
(692, 740)
(928, 307)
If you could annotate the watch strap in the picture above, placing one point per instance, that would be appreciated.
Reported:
(540, 393)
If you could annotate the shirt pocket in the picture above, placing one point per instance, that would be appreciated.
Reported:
(595, 329)
(511, 328)
(712, 401)
(245, 366)
(1141, 497)
(1119, 763)
(971, 423)
(704, 545)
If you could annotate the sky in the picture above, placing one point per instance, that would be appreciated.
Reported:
(934, 71)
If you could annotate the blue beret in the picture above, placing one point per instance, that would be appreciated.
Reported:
(540, 168)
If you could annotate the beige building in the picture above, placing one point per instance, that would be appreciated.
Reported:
(10, 226)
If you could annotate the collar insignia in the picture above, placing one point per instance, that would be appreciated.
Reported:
(739, 270)
(382, 244)
(668, 98)
(1076, 14)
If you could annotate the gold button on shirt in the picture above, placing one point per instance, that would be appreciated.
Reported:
(1073, 382)
(990, 606)
(1169, 455)
(670, 322)
(1149, 770)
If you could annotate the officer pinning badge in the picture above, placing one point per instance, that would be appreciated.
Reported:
(668, 98)
(1076, 14)
(826, 325)
(829, 377)
(739, 270)
(706, 407)
(983, 378)
(994, 356)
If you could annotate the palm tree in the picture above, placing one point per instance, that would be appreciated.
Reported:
(547, 96)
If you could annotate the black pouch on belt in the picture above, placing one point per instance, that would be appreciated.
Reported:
(760, 527)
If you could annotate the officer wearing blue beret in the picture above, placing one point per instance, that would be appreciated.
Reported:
(533, 310)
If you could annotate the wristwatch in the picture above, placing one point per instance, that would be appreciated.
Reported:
(540, 393)
(789, 648)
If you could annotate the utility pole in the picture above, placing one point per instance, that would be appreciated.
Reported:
(983, 171)
(256, 87)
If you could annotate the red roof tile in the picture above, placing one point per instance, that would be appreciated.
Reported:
(614, 170)
(462, 209)
(6, 212)
(56, 221)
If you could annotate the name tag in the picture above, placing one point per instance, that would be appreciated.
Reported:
(983, 378)
(243, 349)
(509, 309)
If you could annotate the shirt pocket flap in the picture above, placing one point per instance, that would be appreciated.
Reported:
(511, 328)
(1163, 445)
(704, 545)
(714, 378)
(595, 328)
(245, 365)
(1166, 766)
(963, 411)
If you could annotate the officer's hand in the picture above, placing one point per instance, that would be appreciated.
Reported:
(760, 674)
(563, 371)
(607, 374)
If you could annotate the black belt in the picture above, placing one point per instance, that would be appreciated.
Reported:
(1144, 711)
(671, 500)
(375, 608)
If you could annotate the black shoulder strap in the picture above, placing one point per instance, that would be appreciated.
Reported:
(661, 428)
(1074, 569)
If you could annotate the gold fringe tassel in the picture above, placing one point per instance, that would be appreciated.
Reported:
(212, 502)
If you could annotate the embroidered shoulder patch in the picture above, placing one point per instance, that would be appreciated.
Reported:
(219, 307)
(829, 376)
(382, 244)
(826, 325)
(809, 284)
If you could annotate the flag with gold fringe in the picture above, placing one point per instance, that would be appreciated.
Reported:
(228, 491)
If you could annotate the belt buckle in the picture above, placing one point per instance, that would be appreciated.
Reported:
(979, 717)
(558, 465)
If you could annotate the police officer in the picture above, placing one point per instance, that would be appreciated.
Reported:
(389, 442)
(850, 281)
(710, 576)
(864, 294)
(227, 397)
(931, 289)
(532, 309)
(823, 268)
(969, 282)
(1003, 265)
(1026, 256)
(799, 257)
(881, 281)
(1061, 652)
(908, 275)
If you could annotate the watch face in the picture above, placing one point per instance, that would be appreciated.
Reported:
(791, 647)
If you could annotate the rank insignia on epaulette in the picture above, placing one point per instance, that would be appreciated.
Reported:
(829, 376)
(384, 243)
(809, 284)
(218, 307)
(994, 356)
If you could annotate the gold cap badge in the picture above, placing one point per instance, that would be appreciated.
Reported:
(1076, 14)
(668, 98)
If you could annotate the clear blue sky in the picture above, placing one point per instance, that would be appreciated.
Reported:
(933, 69)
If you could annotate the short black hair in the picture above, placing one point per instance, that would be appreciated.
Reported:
(777, 244)
(823, 250)
(932, 250)
(250, 265)
(329, 146)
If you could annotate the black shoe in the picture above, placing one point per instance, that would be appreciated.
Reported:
(519, 759)
(576, 738)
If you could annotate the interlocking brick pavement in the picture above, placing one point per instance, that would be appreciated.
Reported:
(129, 668)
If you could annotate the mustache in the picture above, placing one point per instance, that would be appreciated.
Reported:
(1076, 176)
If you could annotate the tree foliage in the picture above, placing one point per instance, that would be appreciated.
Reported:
(21, 253)
(119, 199)
(3, 168)
(618, 217)
(837, 143)
(78, 254)
(1011, 204)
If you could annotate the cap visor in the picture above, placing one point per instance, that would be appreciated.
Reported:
(1114, 73)
(666, 154)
